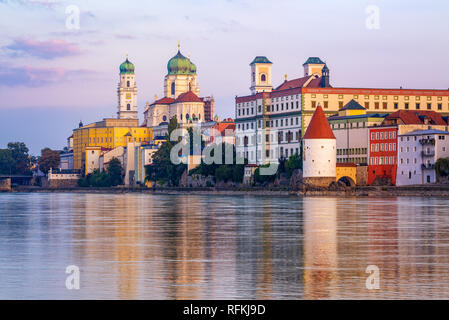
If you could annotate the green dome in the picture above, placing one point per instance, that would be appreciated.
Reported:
(180, 65)
(127, 67)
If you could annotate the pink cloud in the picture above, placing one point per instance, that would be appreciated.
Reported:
(50, 49)
(28, 76)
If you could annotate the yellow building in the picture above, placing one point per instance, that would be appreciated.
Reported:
(109, 133)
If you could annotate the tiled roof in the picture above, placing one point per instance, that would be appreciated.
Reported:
(188, 97)
(417, 117)
(352, 105)
(298, 83)
(319, 127)
(424, 132)
(164, 100)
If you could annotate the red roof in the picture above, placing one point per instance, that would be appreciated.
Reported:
(188, 97)
(415, 117)
(319, 127)
(164, 100)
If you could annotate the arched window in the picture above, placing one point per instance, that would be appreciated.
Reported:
(164, 118)
(263, 77)
(181, 116)
(187, 116)
(128, 107)
(199, 116)
(173, 88)
(127, 84)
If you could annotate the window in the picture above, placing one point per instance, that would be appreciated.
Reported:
(418, 106)
(440, 106)
(406, 105)
(313, 104)
(263, 77)
(127, 84)
(395, 105)
(173, 88)
(366, 105)
(429, 106)
(376, 105)
(128, 107)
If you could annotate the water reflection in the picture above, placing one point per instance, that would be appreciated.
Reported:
(136, 246)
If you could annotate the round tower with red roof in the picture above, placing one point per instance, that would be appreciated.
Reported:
(320, 151)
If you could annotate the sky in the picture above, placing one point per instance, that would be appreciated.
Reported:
(53, 74)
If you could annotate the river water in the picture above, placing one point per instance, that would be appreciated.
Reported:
(142, 246)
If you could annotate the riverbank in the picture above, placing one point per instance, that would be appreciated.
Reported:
(365, 191)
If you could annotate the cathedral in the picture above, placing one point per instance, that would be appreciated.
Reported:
(181, 98)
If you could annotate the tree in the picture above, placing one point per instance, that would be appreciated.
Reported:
(49, 159)
(293, 163)
(262, 179)
(15, 159)
(6, 161)
(115, 172)
(442, 167)
(162, 168)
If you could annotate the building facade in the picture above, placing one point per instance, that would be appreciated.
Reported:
(382, 154)
(351, 129)
(181, 98)
(417, 153)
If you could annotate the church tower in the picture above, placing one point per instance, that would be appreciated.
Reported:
(127, 92)
(313, 65)
(260, 75)
(319, 151)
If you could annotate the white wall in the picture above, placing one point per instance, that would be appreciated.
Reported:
(320, 157)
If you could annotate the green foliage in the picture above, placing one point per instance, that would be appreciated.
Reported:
(49, 159)
(442, 167)
(115, 172)
(162, 169)
(263, 179)
(109, 178)
(293, 163)
(15, 159)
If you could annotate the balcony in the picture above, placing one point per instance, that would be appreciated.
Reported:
(428, 166)
(430, 141)
(430, 153)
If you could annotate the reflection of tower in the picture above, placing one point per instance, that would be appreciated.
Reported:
(320, 247)
(127, 92)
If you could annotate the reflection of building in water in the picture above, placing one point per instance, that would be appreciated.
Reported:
(126, 238)
(185, 263)
(269, 255)
(424, 250)
(320, 247)
(108, 230)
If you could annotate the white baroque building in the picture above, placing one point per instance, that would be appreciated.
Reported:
(269, 122)
(181, 98)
